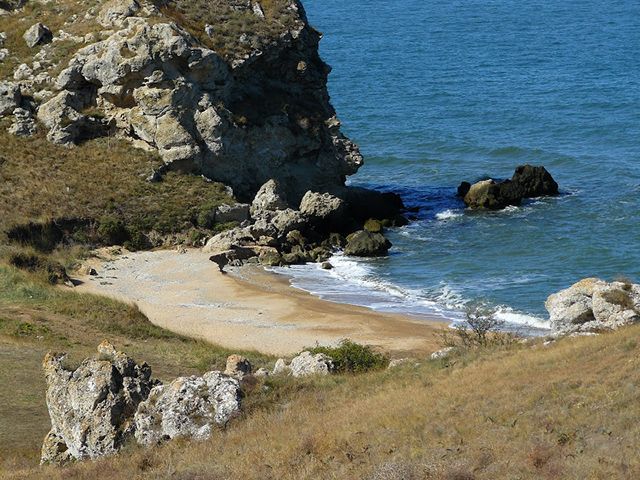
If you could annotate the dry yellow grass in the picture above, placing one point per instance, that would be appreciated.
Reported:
(568, 411)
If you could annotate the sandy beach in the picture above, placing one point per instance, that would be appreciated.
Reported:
(249, 308)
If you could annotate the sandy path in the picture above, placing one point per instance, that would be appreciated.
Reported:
(250, 309)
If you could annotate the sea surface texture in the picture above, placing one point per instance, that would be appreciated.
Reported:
(439, 92)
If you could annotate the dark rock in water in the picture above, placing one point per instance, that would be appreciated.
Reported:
(363, 204)
(527, 182)
(534, 181)
(326, 266)
(463, 189)
(367, 244)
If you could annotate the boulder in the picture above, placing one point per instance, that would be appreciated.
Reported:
(238, 212)
(593, 305)
(527, 182)
(280, 368)
(324, 210)
(443, 353)
(362, 204)
(228, 239)
(37, 34)
(534, 181)
(238, 366)
(374, 226)
(23, 124)
(188, 407)
(366, 244)
(307, 364)
(10, 97)
(114, 13)
(92, 407)
(269, 198)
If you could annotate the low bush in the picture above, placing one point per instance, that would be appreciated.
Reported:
(351, 357)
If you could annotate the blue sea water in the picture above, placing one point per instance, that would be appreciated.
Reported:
(438, 92)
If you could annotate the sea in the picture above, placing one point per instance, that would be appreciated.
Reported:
(436, 92)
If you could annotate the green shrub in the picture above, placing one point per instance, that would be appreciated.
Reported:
(112, 231)
(353, 358)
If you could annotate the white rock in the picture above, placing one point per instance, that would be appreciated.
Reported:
(307, 364)
(37, 34)
(441, 353)
(187, 407)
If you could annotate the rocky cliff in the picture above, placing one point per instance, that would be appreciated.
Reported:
(231, 89)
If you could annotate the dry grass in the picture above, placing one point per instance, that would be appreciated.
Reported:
(103, 179)
(230, 24)
(36, 317)
(568, 411)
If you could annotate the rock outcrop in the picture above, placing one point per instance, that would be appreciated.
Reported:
(304, 365)
(527, 182)
(188, 407)
(201, 106)
(366, 244)
(593, 305)
(109, 400)
(92, 407)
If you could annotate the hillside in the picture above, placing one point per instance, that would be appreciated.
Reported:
(566, 410)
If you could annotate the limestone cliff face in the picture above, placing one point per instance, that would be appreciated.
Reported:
(240, 119)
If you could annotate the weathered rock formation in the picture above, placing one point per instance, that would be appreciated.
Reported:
(366, 244)
(304, 365)
(92, 407)
(188, 407)
(527, 182)
(110, 399)
(593, 305)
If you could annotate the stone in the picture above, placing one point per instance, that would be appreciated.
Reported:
(238, 366)
(270, 257)
(269, 198)
(188, 407)
(23, 124)
(92, 407)
(10, 97)
(238, 212)
(527, 182)
(261, 373)
(326, 266)
(593, 305)
(323, 210)
(534, 181)
(366, 244)
(443, 353)
(307, 364)
(280, 368)
(37, 34)
(23, 72)
(397, 362)
(229, 239)
(114, 13)
(373, 226)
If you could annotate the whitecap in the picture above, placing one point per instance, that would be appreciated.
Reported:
(448, 214)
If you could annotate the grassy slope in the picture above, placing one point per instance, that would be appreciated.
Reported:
(568, 411)
(36, 317)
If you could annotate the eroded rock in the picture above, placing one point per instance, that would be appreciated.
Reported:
(366, 244)
(92, 407)
(593, 305)
(188, 407)
(37, 34)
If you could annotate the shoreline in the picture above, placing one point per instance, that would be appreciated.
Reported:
(248, 308)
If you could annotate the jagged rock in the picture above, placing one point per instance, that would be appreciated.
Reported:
(534, 181)
(188, 407)
(593, 305)
(261, 373)
(324, 209)
(285, 221)
(229, 239)
(114, 13)
(270, 257)
(269, 198)
(307, 364)
(363, 204)
(23, 125)
(280, 368)
(10, 97)
(238, 366)
(366, 244)
(92, 407)
(23, 72)
(37, 34)
(232, 213)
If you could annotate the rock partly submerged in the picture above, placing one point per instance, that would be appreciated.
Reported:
(593, 305)
(527, 182)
